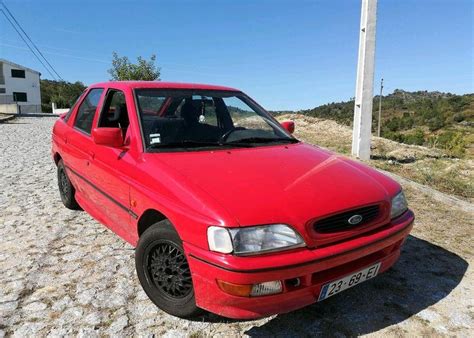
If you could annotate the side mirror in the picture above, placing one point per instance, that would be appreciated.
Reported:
(111, 137)
(289, 126)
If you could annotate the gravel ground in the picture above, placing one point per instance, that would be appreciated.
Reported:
(62, 273)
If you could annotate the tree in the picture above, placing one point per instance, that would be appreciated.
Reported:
(122, 69)
(63, 93)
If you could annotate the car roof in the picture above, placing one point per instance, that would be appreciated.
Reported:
(160, 84)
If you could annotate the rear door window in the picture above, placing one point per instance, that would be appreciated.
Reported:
(86, 112)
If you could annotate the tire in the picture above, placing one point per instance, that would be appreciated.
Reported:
(66, 189)
(164, 272)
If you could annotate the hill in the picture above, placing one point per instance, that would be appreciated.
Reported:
(433, 119)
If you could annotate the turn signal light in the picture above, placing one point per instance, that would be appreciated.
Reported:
(242, 290)
(249, 290)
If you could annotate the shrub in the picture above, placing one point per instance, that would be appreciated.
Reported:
(435, 123)
(393, 124)
(392, 135)
(407, 122)
(453, 142)
(458, 117)
(417, 137)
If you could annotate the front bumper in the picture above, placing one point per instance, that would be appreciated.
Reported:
(314, 268)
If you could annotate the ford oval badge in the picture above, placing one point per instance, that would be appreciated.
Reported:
(356, 219)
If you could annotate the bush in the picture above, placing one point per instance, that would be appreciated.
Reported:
(453, 142)
(408, 122)
(393, 124)
(394, 136)
(435, 123)
(417, 137)
(458, 117)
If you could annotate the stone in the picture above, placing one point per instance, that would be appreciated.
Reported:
(93, 319)
(175, 334)
(35, 307)
(62, 304)
(118, 325)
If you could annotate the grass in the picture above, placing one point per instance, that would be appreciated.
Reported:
(440, 174)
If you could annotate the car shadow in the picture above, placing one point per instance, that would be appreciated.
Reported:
(424, 275)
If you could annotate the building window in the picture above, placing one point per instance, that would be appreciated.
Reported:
(2, 91)
(18, 73)
(19, 97)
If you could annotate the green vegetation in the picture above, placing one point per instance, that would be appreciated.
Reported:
(442, 174)
(122, 69)
(454, 143)
(433, 119)
(63, 93)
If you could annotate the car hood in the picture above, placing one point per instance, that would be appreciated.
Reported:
(290, 184)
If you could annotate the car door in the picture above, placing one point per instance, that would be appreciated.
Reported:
(80, 144)
(109, 166)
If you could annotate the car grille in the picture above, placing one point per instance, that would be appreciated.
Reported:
(340, 222)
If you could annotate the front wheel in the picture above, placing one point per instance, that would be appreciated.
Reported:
(164, 272)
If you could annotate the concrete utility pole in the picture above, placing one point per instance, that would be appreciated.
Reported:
(380, 108)
(365, 81)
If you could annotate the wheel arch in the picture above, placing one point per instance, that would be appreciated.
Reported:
(57, 157)
(148, 218)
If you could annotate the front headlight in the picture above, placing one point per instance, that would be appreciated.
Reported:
(399, 205)
(253, 240)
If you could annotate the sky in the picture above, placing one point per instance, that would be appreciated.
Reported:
(285, 54)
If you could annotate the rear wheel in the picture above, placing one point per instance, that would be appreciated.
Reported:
(66, 189)
(164, 272)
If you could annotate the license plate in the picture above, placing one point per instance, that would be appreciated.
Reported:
(334, 287)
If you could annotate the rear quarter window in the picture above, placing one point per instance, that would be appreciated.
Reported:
(69, 113)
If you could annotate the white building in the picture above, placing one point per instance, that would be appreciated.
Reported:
(19, 88)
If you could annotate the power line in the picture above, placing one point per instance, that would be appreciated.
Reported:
(29, 39)
(26, 43)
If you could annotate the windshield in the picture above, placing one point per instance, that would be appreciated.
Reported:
(186, 119)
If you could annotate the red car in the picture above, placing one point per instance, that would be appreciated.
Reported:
(228, 212)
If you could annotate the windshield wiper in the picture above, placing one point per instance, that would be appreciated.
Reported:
(184, 144)
(263, 140)
(193, 144)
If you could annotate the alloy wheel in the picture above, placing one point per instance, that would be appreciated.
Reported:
(169, 271)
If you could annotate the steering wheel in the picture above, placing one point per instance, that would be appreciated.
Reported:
(226, 135)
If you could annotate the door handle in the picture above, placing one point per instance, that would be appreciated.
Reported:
(91, 155)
